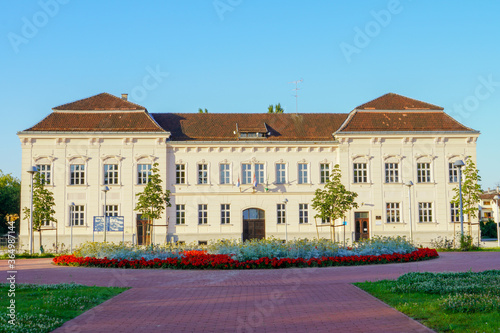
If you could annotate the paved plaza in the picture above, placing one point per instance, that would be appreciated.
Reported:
(282, 300)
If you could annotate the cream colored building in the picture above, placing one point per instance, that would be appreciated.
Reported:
(247, 175)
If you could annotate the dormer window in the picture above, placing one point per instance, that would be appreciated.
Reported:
(252, 131)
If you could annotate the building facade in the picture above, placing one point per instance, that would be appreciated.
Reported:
(243, 176)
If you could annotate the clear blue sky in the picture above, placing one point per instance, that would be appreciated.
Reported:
(240, 55)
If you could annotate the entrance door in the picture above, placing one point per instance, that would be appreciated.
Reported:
(362, 226)
(254, 224)
(143, 231)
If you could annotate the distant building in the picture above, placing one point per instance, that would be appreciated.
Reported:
(488, 207)
(230, 173)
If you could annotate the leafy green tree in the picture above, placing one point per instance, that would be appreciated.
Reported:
(10, 199)
(200, 110)
(275, 109)
(471, 192)
(334, 200)
(43, 206)
(152, 200)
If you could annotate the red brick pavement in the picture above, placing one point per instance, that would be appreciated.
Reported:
(286, 300)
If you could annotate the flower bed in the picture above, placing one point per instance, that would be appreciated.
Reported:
(204, 260)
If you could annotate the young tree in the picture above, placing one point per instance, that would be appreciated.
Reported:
(471, 191)
(276, 109)
(10, 198)
(200, 110)
(43, 206)
(334, 200)
(152, 200)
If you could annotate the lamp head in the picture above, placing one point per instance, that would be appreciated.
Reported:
(496, 197)
(32, 170)
(409, 183)
(105, 189)
(285, 201)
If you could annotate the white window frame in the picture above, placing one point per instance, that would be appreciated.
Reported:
(393, 212)
(426, 169)
(73, 212)
(202, 214)
(113, 174)
(202, 173)
(303, 213)
(454, 212)
(323, 179)
(246, 173)
(112, 210)
(453, 173)
(425, 212)
(260, 175)
(180, 174)
(284, 171)
(144, 175)
(225, 214)
(391, 172)
(82, 179)
(280, 213)
(42, 170)
(356, 178)
(300, 173)
(180, 214)
(223, 180)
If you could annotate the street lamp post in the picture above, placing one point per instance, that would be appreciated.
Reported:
(72, 221)
(105, 189)
(497, 220)
(285, 201)
(459, 164)
(410, 184)
(32, 172)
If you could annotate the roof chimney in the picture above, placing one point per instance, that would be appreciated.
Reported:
(124, 97)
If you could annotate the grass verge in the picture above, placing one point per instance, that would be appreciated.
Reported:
(43, 308)
(445, 302)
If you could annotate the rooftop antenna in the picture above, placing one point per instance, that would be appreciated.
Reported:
(296, 94)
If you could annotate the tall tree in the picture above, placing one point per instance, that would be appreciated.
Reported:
(334, 200)
(10, 199)
(275, 109)
(152, 200)
(43, 206)
(471, 192)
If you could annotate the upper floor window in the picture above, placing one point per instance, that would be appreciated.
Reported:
(423, 172)
(246, 173)
(225, 176)
(324, 172)
(180, 174)
(110, 174)
(225, 214)
(280, 173)
(303, 213)
(425, 212)
(391, 172)
(180, 214)
(280, 213)
(143, 173)
(202, 173)
(77, 215)
(360, 173)
(259, 173)
(111, 210)
(303, 173)
(77, 174)
(202, 214)
(45, 174)
(392, 212)
(452, 173)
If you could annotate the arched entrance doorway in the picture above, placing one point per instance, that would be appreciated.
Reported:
(254, 224)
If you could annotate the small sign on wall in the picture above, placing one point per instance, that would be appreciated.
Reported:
(378, 220)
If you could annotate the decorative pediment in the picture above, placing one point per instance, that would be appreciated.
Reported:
(152, 158)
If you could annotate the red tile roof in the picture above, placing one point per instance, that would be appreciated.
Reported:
(98, 122)
(102, 101)
(221, 126)
(403, 121)
(393, 101)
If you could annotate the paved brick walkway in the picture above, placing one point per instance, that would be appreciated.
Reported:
(286, 300)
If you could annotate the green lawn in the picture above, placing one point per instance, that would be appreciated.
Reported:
(43, 308)
(445, 302)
